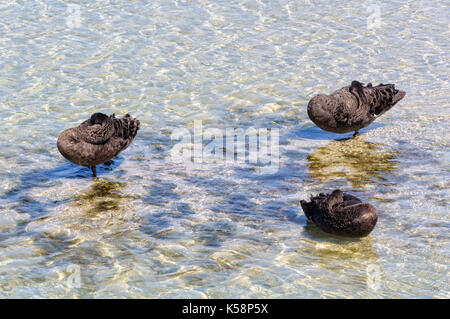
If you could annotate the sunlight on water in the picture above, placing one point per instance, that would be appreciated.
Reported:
(150, 227)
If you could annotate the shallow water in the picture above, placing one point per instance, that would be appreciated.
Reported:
(149, 227)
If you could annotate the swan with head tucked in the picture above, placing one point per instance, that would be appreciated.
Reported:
(97, 140)
(341, 214)
(353, 107)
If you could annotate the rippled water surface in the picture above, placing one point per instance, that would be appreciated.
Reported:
(150, 227)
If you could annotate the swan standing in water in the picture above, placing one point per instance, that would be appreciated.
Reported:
(352, 107)
(97, 140)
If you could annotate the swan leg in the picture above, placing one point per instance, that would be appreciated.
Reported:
(94, 171)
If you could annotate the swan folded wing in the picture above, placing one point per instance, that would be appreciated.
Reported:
(381, 99)
(355, 118)
(109, 140)
(347, 108)
(344, 218)
(94, 134)
(341, 115)
(125, 127)
(112, 149)
(76, 149)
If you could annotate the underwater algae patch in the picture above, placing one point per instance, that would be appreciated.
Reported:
(356, 160)
(103, 195)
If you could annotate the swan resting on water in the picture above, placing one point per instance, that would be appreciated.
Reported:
(341, 214)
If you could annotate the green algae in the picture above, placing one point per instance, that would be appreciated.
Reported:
(356, 160)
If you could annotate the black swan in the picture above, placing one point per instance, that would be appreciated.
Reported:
(341, 214)
(352, 107)
(97, 140)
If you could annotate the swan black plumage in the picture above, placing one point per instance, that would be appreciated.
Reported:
(341, 214)
(353, 107)
(97, 140)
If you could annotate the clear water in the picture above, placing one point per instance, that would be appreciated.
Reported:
(152, 228)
